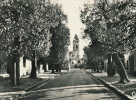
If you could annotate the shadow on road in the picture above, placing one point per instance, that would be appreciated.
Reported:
(82, 92)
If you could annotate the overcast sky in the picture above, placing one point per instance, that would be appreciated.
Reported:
(72, 8)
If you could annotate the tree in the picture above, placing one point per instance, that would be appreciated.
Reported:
(60, 41)
(112, 25)
(27, 36)
(94, 55)
(12, 21)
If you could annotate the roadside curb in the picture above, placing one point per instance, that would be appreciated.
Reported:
(119, 92)
(8, 94)
(12, 93)
(33, 86)
(127, 97)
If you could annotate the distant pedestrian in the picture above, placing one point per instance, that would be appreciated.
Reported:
(100, 67)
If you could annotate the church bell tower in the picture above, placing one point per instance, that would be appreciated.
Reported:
(74, 55)
(76, 47)
(76, 44)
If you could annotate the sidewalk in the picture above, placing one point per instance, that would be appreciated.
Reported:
(26, 84)
(128, 90)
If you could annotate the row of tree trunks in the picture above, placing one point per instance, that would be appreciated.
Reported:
(114, 60)
(36, 65)
(57, 67)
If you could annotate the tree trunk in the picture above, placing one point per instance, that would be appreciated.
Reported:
(38, 65)
(113, 68)
(14, 61)
(121, 69)
(95, 65)
(0, 65)
(57, 67)
(57, 70)
(14, 71)
(33, 74)
(12, 80)
(18, 70)
(53, 67)
(44, 66)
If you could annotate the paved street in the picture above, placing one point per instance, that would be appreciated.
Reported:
(75, 85)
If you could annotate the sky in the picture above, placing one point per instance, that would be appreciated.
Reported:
(72, 9)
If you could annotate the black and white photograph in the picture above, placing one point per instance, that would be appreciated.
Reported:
(67, 49)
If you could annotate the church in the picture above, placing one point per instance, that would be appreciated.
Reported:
(74, 55)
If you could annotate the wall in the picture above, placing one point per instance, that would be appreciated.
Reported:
(25, 70)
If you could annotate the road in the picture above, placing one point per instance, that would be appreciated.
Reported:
(75, 85)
